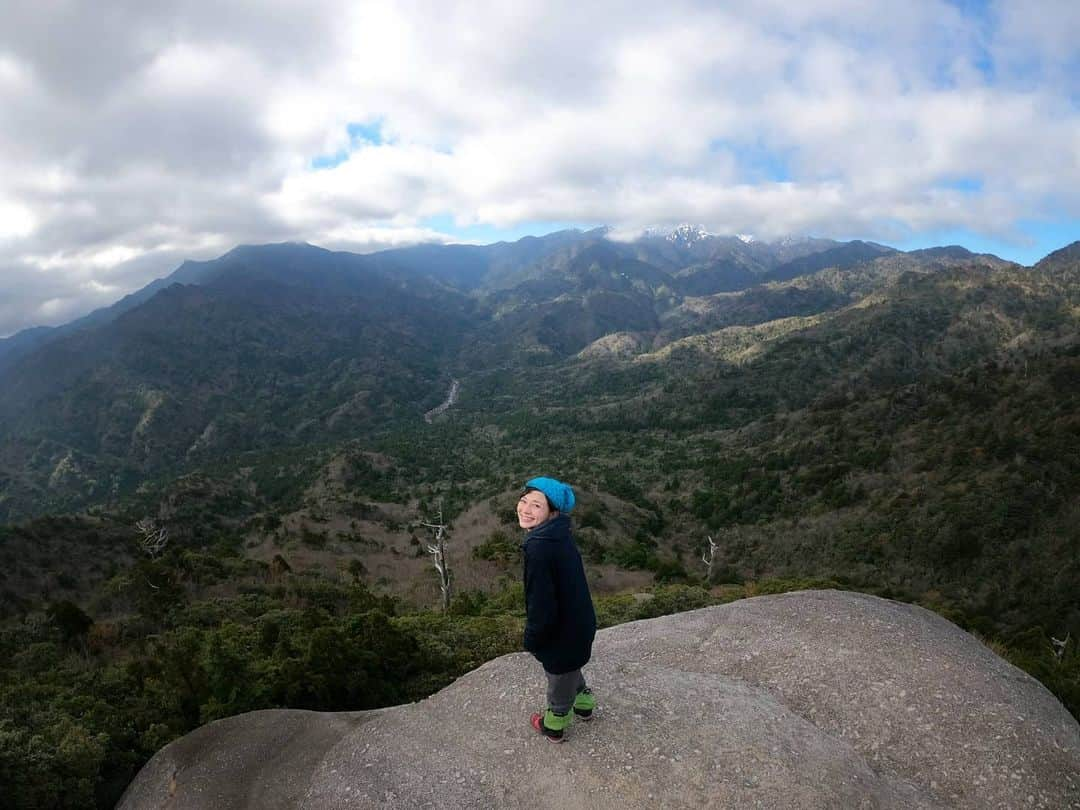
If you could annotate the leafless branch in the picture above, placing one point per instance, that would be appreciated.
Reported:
(437, 550)
(153, 539)
(709, 557)
(1060, 644)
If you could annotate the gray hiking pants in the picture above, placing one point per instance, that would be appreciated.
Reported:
(562, 689)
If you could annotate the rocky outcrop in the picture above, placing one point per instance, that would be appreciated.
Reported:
(817, 699)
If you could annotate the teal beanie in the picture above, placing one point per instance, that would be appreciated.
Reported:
(560, 494)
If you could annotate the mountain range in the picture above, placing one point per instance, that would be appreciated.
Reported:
(291, 343)
(831, 408)
(738, 417)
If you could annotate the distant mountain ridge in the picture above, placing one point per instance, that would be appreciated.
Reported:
(467, 268)
(472, 267)
(293, 343)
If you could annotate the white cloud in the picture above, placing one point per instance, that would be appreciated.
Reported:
(362, 239)
(16, 220)
(140, 134)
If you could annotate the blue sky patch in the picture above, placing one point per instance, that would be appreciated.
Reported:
(360, 135)
(1034, 240)
(367, 133)
(969, 185)
(756, 163)
(330, 161)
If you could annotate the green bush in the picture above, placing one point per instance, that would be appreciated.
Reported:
(498, 547)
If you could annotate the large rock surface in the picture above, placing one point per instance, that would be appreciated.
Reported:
(817, 699)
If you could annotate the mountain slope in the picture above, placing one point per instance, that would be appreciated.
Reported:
(841, 257)
(256, 356)
(926, 437)
(290, 345)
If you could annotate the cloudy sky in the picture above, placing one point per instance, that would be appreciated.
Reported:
(135, 134)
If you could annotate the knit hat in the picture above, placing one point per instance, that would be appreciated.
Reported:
(560, 495)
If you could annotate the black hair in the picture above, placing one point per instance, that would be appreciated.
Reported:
(551, 506)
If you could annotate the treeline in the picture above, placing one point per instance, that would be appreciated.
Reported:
(84, 703)
(196, 635)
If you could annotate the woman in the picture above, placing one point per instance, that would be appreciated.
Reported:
(560, 622)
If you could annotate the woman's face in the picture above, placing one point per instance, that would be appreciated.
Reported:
(532, 509)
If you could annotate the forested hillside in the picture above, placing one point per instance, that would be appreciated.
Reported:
(902, 423)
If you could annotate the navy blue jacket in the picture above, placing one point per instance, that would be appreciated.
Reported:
(560, 622)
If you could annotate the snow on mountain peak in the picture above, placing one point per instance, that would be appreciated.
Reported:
(687, 234)
(745, 238)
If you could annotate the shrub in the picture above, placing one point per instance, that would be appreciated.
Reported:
(498, 548)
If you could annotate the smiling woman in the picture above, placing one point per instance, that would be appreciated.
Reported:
(533, 509)
(560, 622)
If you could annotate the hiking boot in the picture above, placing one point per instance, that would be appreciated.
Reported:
(551, 725)
(584, 704)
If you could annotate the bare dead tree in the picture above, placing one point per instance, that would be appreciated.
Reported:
(152, 540)
(709, 557)
(1060, 644)
(437, 550)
